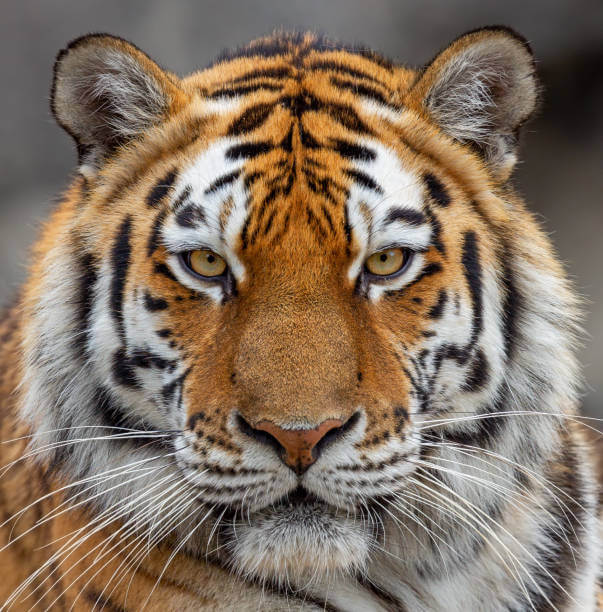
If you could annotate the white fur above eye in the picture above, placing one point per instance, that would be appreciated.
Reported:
(222, 213)
(368, 211)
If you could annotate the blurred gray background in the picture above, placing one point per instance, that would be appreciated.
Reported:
(561, 174)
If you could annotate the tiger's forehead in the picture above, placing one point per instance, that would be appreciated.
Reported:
(239, 195)
(272, 62)
(301, 155)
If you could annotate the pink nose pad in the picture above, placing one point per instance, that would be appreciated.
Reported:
(299, 444)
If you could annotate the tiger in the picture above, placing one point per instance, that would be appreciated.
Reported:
(291, 340)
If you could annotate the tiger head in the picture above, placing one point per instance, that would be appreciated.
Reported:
(280, 278)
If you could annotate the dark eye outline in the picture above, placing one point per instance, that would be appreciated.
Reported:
(185, 262)
(409, 255)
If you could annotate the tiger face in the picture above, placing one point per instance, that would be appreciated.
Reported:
(286, 267)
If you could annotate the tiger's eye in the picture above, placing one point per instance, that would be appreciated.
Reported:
(206, 263)
(386, 263)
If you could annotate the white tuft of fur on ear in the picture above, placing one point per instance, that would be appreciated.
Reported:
(107, 92)
(480, 90)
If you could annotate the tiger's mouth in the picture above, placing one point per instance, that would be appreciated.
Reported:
(300, 498)
(299, 536)
(291, 507)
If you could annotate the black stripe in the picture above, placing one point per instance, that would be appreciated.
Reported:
(428, 270)
(364, 179)
(407, 215)
(120, 262)
(269, 73)
(155, 235)
(123, 370)
(436, 190)
(324, 186)
(360, 90)
(436, 230)
(86, 282)
(249, 150)
(335, 66)
(290, 181)
(387, 600)
(250, 179)
(315, 224)
(350, 150)
(168, 391)
(144, 358)
(222, 181)
(161, 268)
(269, 223)
(347, 228)
(160, 189)
(328, 217)
(473, 274)
(251, 119)
(190, 215)
(268, 47)
(436, 311)
(307, 140)
(296, 45)
(483, 430)
(244, 233)
(512, 305)
(242, 90)
(479, 374)
(268, 199)
(348, 117)
(345, 114)
(286, 144)
(153, 304)
(564, 533)
(183, 197)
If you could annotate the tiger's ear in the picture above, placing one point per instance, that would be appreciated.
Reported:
(480, 90)
(106, 92)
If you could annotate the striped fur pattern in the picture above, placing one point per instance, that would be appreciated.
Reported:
(461, 478)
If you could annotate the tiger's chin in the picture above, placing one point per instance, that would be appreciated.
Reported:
(300, 540)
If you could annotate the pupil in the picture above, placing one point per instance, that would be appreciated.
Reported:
(211, 259)
(383, 257)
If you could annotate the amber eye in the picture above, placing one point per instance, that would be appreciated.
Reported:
(204, 262)
(387, 262)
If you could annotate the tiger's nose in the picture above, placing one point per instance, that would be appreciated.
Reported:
(298, 448)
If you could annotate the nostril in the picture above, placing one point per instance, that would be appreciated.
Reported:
(298, 448)
(335, 434)
(261, 436)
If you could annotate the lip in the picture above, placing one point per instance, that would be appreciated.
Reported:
(300, 497)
